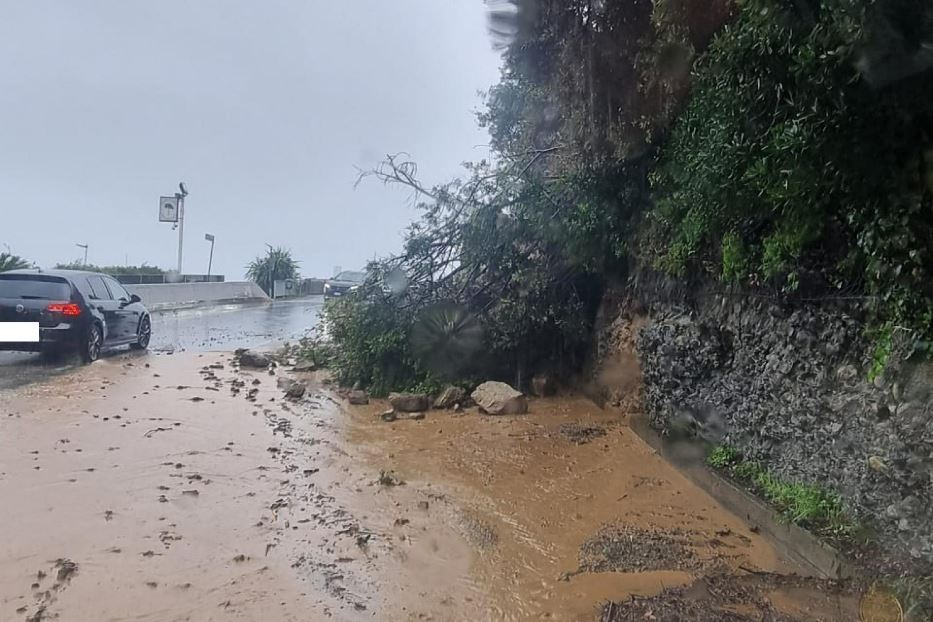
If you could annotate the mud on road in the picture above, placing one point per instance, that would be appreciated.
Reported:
(182, 488)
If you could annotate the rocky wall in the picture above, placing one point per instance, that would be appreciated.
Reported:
(788, 387)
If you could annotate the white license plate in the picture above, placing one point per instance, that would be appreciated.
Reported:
(19, 332)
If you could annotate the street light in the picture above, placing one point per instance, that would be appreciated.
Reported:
(84, 246)
(210, 238)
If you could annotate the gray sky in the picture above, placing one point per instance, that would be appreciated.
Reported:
(263, 107)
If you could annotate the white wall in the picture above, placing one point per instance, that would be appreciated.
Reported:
(179, 294)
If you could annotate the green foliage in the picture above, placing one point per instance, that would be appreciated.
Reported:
(9, 261)
(788, 163)
(723, 456)
(499, 277)
(883, 339)
(113, 270)
(371, 347)
(734, 258)
(277, 264)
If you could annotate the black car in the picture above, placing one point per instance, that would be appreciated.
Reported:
(343, 283)
(75, 310)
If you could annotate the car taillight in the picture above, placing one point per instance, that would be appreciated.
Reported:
(65, 308)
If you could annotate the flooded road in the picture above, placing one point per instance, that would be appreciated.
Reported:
(209, 328)
(182, 488)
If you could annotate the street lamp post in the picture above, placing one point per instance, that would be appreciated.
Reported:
(84, 246)
(210, 238)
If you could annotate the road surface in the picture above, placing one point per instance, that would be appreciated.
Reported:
(184, 487)
(202, 329)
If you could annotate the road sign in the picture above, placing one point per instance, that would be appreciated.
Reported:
(168, 209)
(208, 237)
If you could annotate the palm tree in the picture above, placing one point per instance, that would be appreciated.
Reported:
(9, 261)
(275, 265)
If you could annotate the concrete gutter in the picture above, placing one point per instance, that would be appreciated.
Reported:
(169, 296)
(793, 542)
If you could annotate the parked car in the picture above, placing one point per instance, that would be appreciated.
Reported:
(343, 283)
(74, 310)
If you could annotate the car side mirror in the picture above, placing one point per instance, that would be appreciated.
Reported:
(135, 298)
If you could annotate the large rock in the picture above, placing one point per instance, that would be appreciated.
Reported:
(409, 402)
(498, 398)
(358, 397)
(449, 397)
(248, 358)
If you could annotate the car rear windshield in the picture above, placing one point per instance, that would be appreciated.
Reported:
(33, 287)
(347, 275)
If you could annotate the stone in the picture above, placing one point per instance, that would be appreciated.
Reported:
(409, 402)
(358, 397)
(498, 398)
(543, 385)
(875, 463)
(292, 388)
(449, 397)
(296, 391)
(388, 415)
(248, 358)
(306, 365)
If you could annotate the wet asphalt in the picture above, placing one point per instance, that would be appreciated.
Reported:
(201, 329)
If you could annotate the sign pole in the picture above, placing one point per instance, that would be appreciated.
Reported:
(181, 227)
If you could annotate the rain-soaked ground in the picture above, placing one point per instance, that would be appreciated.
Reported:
(179, 487)
(223, 327)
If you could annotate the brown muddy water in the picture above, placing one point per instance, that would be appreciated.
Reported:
(181, 488)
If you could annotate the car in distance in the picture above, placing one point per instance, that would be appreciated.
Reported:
(74, 310)
(344, 283)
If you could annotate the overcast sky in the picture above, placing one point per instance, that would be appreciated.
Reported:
(263, 107)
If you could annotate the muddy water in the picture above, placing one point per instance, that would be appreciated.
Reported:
(182, 488)
(538, 489)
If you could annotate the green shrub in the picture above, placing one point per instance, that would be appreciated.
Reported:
(785, 140)
(370, 345)
(734, 258)
(884, 343)
(722, 457)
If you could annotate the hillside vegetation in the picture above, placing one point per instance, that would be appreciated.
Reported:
(780, 146)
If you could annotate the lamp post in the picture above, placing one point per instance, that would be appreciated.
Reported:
(84, 246)
(210, 238)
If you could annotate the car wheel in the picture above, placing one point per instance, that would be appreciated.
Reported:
(144, 335)
(90, 348)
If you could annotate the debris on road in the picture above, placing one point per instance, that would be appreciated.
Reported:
(498, 398)
(358, 397)
(409, 402)
(450, 397)
(250, 358)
